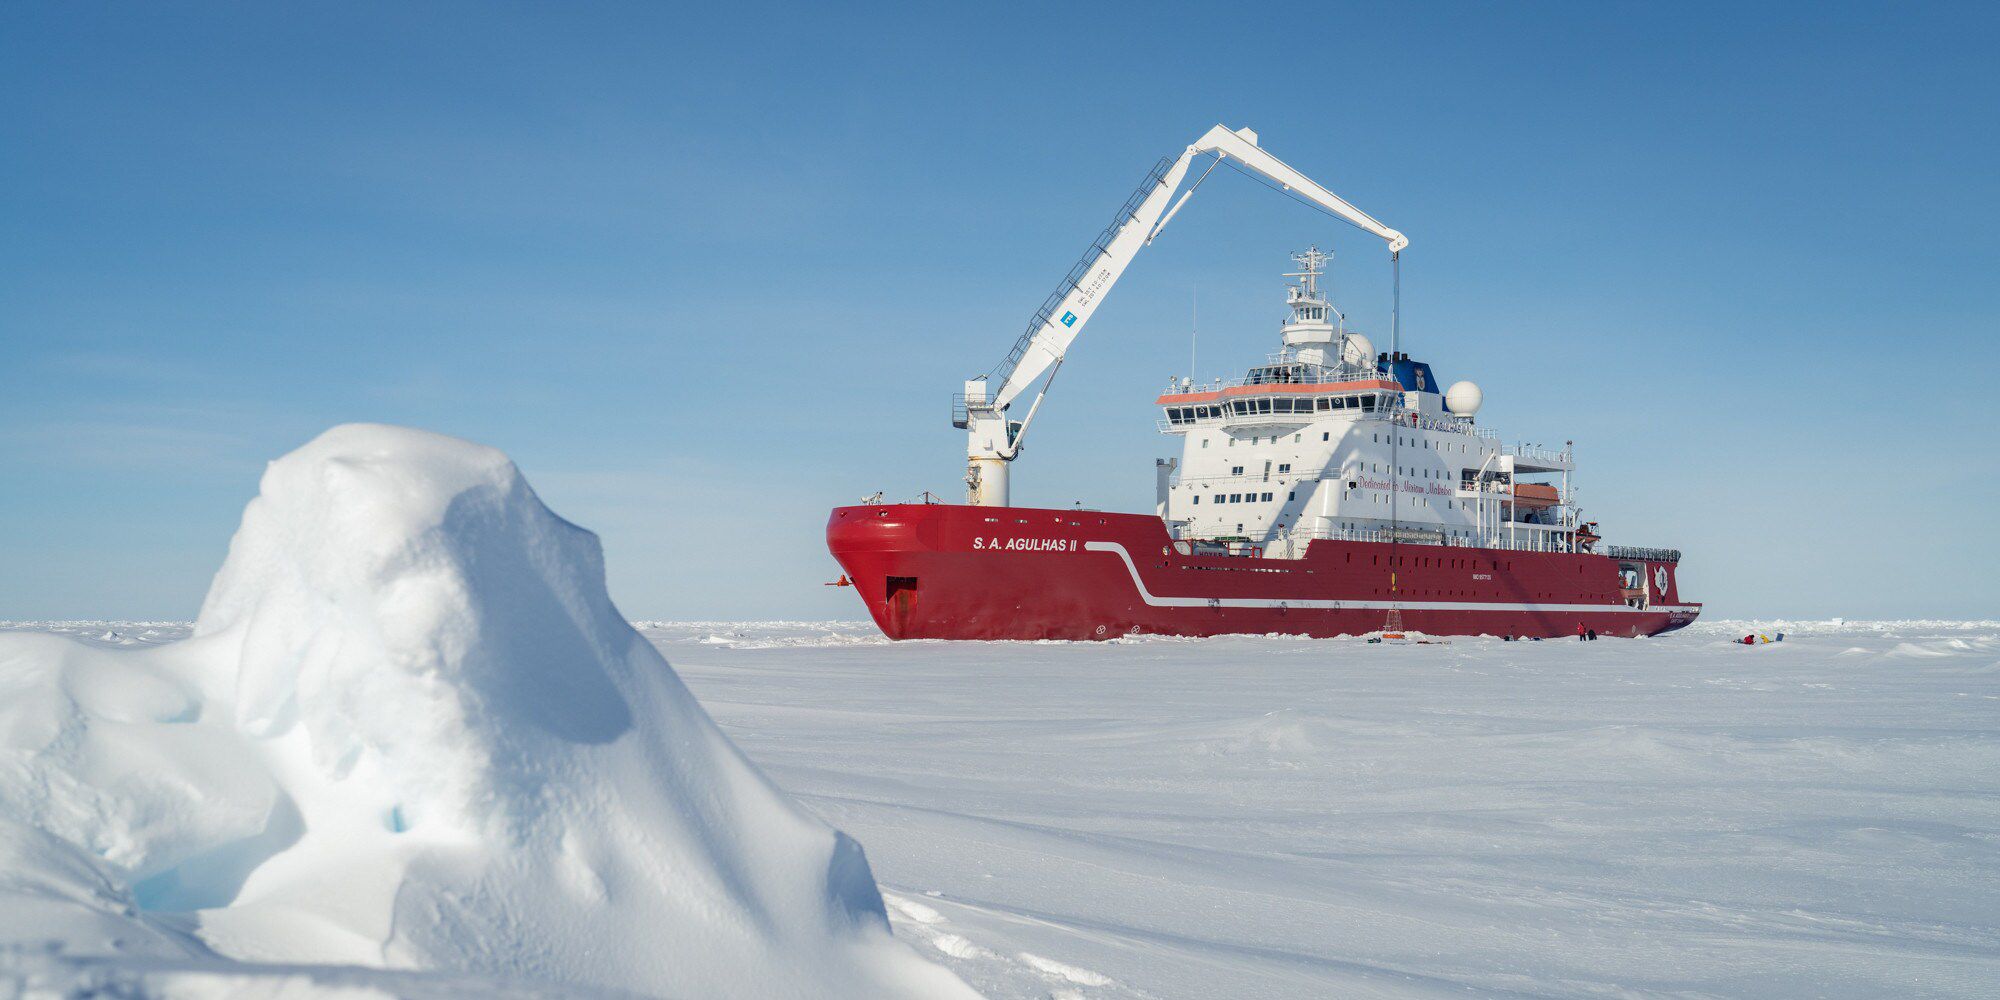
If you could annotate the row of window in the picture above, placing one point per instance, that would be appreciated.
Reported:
(1272, 404)
(1247, 497)
(1412, 442)
(1254, 441)
(1376, 496)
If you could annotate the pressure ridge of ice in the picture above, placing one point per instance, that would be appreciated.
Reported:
(411, 732)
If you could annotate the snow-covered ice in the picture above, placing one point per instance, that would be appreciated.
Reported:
(409, 748)
(1278, 817)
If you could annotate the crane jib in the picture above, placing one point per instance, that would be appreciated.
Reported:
(1091, 255)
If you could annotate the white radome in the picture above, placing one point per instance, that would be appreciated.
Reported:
(1357, 350)
(1463, 398)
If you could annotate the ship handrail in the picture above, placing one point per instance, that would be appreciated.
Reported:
(1642, 553)
(1533, 453)
(1418, 536)
(1486, 488)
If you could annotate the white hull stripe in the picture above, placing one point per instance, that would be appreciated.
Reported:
(1306, 603)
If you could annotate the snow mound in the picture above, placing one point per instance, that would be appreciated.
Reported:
(411, 731)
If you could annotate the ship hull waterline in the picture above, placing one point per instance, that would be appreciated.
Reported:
(944, 571)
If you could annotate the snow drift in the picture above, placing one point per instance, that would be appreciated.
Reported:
(411, 731)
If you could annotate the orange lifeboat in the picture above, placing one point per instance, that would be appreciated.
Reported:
(1587, 536)
(1536, 496)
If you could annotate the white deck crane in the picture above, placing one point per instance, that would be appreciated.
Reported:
(992, 440)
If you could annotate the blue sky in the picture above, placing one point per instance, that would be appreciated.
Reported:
(707, 272)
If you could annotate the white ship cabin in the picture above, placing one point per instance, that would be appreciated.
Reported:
(1329, 439)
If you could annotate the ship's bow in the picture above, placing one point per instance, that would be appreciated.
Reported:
(881, 548)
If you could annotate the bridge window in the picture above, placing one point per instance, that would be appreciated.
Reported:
(1267, 498)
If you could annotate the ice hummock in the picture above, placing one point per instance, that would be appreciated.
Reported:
(411, 732)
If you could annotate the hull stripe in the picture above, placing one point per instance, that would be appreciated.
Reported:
(1336, 605)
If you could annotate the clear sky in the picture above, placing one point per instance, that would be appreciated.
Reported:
(708, 271)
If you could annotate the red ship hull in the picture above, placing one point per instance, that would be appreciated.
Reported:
(938, 571)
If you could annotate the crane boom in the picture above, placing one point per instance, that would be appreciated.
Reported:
(993, 440)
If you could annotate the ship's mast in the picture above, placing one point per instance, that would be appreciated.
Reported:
(1310, 332)
(1311, 262)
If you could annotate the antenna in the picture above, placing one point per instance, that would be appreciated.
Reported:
(1194, 328)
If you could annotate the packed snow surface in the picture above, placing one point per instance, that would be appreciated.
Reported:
(410, 748)
(1277, 817)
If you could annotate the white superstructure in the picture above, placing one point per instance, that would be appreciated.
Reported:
(1325, 440)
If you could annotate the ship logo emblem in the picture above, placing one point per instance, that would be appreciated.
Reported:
(1660, 577)
(1069, 319)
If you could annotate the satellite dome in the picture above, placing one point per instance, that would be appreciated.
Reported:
(1356, 350)
(1463, 399)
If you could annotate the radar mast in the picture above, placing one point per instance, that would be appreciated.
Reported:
(1310, 333)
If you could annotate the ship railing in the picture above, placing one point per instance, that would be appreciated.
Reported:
(1407, 536)
(1312, 375)
(1292, 478)
(1451, 425)
(1539, 541)
(1535, 454)
(1642, 553)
